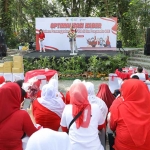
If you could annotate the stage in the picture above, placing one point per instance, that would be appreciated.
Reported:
(58, 54)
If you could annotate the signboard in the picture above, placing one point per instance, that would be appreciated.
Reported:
(93, 33)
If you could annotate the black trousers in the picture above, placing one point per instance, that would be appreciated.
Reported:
(111, 141)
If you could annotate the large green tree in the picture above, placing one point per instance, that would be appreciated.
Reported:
(17, 17)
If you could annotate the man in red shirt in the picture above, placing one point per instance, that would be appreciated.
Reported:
(41, 40)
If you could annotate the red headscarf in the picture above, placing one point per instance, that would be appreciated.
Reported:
(105, 94)
(2, 79)
(10, 100)
(79, 100)
(135, 109)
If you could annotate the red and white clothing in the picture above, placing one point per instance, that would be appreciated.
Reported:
(47, 109)
(41, 41)
(45, 117)
(93, 99)
(84, 138)
(83, 132)
(13, 121)
(130, 117)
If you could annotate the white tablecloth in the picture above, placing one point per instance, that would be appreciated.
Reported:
(12, 76)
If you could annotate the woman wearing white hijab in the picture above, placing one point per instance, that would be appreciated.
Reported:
(47, 109)
(46, 139)
(54, 83)
(93, 99)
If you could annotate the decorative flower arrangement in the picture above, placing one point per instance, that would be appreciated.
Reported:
(71, 34)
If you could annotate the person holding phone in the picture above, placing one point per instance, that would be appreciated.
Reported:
(14, 123)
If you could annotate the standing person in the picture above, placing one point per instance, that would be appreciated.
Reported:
(72, 39)
(41, 40)
(14, 123)
(130, 117)
(83, 132)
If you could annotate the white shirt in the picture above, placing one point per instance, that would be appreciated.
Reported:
(140, 75)
(84, 138)
(47, 139)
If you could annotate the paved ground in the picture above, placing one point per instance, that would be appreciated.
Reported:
(65, 84)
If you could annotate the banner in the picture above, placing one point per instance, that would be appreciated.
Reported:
(92, 33)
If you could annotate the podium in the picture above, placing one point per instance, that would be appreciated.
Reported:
(73, 47)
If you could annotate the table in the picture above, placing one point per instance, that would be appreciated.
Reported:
(12, 76)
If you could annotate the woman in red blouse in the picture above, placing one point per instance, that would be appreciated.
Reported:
(130, 117)
(41, 40)
(14, 123)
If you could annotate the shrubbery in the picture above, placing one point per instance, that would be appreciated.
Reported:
(78, 66)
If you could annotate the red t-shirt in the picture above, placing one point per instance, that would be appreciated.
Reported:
(13, 128)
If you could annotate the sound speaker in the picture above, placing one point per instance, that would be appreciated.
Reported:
(2, 37)
(119, 44)
(148, 36)
(147, 49)
(3, 50)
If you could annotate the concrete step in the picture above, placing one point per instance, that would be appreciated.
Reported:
(145, 65)
(140, 59)
(141, 55)
(141, 52)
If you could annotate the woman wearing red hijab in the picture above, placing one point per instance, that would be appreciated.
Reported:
(105, 94)
(130, 117)
(14, 123)
(83, 133)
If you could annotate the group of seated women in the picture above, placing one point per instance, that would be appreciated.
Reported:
(75, 121)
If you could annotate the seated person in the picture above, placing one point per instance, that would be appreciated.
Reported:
(47, 109)
(49, 140)
(14, 123)
(140, 74)
(135, 77)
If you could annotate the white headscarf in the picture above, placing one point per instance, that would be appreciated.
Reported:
(50, 100)
(93, 99)
(47, 139)
(54, 83)
(76, 81)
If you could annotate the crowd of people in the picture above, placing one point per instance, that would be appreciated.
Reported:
(78, 119)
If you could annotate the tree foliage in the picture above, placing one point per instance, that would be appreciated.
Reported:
(17, 17)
